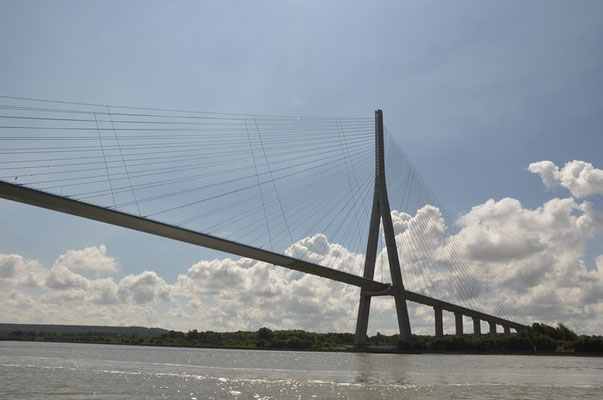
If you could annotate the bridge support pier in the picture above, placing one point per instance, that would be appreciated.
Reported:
(439, 323)
(507, 330)
(477, 328)
(458, 323)
(492, 328)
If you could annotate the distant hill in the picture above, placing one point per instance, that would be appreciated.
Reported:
(126, 330)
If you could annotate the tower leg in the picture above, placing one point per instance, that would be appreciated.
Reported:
(369, 272)
(360, 336)
(403, 320)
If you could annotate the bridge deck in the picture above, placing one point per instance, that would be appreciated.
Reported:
(65, 205)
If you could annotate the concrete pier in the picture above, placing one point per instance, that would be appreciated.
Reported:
(458, 323)
(507, 330)
(439, 324)
(492, 328)
(477, 328)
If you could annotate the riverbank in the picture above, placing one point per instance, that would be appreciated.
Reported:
(539, 339)
(350, 349)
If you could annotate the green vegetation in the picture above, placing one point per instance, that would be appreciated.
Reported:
(537, 338)
(264, 338)
(128, 330)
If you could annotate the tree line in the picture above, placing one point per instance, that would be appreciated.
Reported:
(537, 338)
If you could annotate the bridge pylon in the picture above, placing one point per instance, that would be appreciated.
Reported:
(382, 213)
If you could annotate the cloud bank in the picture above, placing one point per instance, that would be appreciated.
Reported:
(535, 256)
(579, 177)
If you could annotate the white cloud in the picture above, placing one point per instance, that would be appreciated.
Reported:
(246, 294)
(103, 291)
(92, 259)
(65, 307)
(67, 285)
(581, 178)
(64, 296)
(62, 278)
(143, 288)
(538, 256)
(17, 271)
(319, 250)
(548, 171)
(19, 300)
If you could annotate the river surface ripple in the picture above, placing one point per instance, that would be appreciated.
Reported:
(31, 370)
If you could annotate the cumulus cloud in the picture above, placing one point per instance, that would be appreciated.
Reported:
(581, 178)
(246, 294)
(143, 288)
(17, 271)
(537, 256)
(317, 249)
(417, 238)
(62, 278)
(103, 291)
(64, 296)
(19, 300)
(93, 259)
(60, 295)
(67, 286)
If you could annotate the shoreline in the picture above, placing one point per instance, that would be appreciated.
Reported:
(539, 339)
(368, 350)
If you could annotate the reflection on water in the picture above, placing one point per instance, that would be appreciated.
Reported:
(380, 369)
(43, 370)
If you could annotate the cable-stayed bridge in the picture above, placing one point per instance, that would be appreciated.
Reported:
(331, 197)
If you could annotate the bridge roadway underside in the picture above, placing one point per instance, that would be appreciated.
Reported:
(66, 205)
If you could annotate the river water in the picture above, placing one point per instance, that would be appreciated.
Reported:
(31, 370)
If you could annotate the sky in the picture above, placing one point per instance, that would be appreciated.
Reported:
(498, 105)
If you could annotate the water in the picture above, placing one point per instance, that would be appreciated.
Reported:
(81, 371)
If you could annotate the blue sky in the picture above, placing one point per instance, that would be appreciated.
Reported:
(473, 91)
